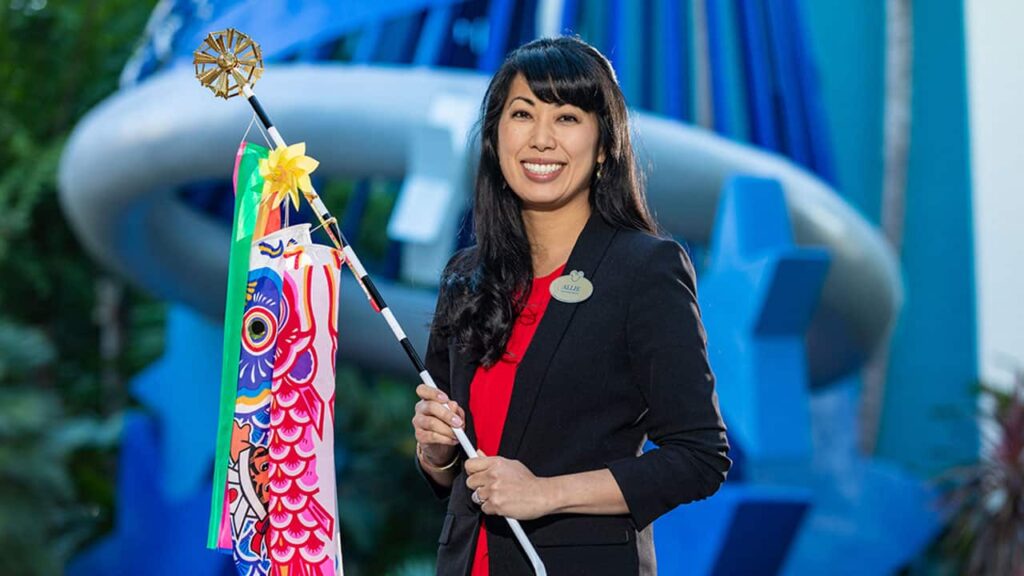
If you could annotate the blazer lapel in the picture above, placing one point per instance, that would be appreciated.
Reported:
(586, 255)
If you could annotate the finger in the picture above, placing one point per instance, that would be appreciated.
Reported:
(427, 411)
(424, 423)
(454, 407)
(479, 496)
(426, 437)
(426, 406)
(444, 414)
(475, 466)
(429, 393)
(474, 482)
(479, 465)
(432, 424)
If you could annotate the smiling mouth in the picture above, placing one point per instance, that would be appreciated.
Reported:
(542, 171)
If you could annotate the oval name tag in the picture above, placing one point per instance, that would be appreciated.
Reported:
(571, 288)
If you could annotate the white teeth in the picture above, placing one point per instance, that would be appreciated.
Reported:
(542, 168)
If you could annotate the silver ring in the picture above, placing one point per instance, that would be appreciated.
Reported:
(475, 497)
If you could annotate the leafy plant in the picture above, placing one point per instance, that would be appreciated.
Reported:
(387, 514)
(60, 394)
(415, 567)
(986, 531)
(42, 520)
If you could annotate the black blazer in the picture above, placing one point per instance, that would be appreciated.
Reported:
(598, 379)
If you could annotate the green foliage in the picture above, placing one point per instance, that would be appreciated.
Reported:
(60, 398)
(387, 512)
(57, 60)
(986, 532)
(415, 567)
(983, 500)
(42, 519)
(372, 242)
(378, 211)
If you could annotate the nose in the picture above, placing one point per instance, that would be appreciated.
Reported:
(542, 138)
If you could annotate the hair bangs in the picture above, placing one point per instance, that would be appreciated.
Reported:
(560, 76)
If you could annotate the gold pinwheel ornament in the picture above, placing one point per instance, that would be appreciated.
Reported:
(226, 61)
(285, 172)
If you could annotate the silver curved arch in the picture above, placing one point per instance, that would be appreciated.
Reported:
(126, 156)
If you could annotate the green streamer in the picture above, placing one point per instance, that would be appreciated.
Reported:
(248, 186)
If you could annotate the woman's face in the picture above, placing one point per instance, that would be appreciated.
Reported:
(547, 151)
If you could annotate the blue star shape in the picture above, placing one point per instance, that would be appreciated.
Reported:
(757, 297)
(795, 507)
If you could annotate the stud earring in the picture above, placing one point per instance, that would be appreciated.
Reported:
(598, 175)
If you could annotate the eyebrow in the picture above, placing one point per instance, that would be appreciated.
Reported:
(532, 103)
(524, 99)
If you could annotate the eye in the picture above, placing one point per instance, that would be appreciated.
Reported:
(570, 118)
(259, 329)
(520, 114)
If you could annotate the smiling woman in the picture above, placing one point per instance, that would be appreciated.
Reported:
(572, 334)
(548, 151)
(549, 155)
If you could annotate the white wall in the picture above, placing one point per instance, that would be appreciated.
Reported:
(995, 70)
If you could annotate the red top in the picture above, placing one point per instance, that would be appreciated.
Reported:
(491, 389)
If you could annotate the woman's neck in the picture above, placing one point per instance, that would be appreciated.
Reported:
(552, 236)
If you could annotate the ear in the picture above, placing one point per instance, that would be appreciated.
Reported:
(600, 156)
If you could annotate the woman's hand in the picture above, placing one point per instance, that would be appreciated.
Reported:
(507, 488)
(435, 418)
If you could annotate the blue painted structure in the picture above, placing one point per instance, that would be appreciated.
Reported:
(780, 509)
(800, 473)
(927, 421)
(153, 533)
(933, 372)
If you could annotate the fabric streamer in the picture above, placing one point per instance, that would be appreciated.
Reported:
(248, 187)
(276, 507)
(281, 491)
(304, 535)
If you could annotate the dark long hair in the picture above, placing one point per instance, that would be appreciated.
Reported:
(484, 289)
